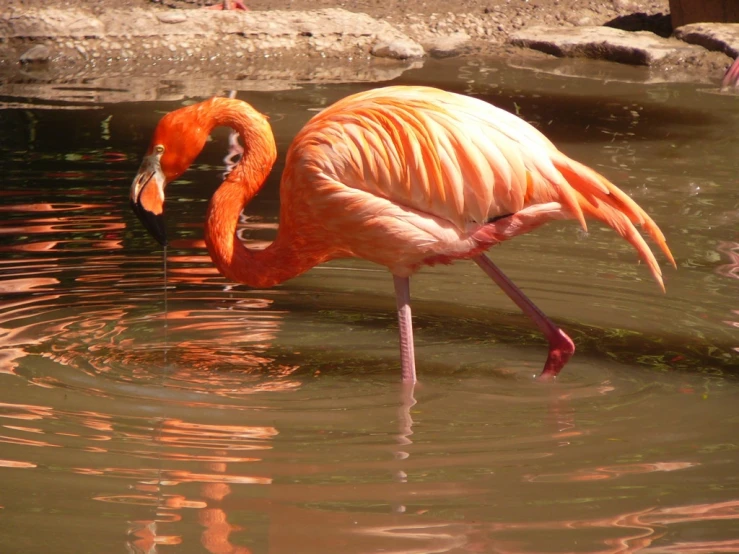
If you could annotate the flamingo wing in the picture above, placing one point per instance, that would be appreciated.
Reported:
(459, 160)
(454, 157)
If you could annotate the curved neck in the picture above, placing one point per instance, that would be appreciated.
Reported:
(256, 268)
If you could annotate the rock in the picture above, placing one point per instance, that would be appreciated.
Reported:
(622, 5)
(604, 43)
(38, 54)
(51, 22)
(397, 49)
(723, 37)
(448, 46)
(171, 17)
(578, 19)
(330, 32)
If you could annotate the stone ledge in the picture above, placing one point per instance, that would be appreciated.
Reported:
(603, 43)
(721, 37)
(329, 31)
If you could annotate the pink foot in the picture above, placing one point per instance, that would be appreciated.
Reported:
(561, 349)
(228, 5)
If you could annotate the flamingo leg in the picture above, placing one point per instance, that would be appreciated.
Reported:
(731, 78)
(228, 5)
(405, 327)
(561, 346)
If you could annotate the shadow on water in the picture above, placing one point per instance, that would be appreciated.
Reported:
(595, 119)
(455, 327)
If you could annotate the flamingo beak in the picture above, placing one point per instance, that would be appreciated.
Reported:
(147, 197)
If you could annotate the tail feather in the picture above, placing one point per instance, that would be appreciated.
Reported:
(601, 199)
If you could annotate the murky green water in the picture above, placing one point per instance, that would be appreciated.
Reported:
(271, 421)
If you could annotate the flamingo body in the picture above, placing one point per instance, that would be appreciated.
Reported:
(421, 173)
(400, 176)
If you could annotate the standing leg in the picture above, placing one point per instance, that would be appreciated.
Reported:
(405, 326)
(561, 346)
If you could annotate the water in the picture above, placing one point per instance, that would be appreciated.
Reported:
(270, 421)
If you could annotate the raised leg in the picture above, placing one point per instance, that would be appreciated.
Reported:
(561, 346)
(405, 326)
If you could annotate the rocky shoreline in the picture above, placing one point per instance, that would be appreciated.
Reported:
(334, 44)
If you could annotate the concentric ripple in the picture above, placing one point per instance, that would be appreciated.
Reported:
(201, 344)
(80, 302)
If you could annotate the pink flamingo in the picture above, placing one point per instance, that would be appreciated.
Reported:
(401, 176)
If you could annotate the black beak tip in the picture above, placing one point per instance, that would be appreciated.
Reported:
(154, 223)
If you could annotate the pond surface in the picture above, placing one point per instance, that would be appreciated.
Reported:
(226, 419)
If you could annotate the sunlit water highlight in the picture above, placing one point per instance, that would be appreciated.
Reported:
(272, 420)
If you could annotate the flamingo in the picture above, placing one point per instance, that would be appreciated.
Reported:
(403, 176)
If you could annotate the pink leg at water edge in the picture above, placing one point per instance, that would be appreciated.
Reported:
(731, 78)
(561, 347)
(227, 5)
(405, 326)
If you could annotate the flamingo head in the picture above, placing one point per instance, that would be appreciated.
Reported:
(178, 139)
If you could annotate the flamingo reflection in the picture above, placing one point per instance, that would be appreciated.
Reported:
(215, 483)
(634, 532)
(231, 460)
(215, 537)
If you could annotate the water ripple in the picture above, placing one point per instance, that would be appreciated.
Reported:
(235, 414)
